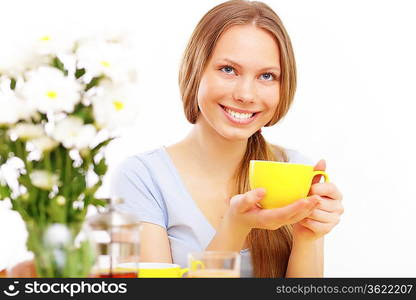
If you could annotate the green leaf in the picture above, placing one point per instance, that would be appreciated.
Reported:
(25, 181)
(5, 191)
(85, 113)
(12, 83)
(94, 82)
(89, 192)
(101, 167)
(79, 73)
(98, 202)
(78, 184)
(57, 63)
(4, 145)
(97, 148)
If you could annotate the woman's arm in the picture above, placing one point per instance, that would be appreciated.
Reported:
(307, 256)
(154, 244)
(229, 237)
(306, 259)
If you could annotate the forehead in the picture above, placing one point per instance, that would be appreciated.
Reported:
(248, 44)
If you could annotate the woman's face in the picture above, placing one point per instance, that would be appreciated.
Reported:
(239, 89)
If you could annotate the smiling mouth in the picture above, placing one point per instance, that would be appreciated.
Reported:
(238, 115)
(239, 118)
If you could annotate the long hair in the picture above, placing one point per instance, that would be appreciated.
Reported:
(270, 249)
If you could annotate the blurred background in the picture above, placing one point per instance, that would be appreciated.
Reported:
(354, 107)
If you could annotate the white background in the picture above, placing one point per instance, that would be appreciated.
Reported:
(354, 107)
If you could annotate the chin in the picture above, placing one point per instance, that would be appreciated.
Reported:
(236, 134)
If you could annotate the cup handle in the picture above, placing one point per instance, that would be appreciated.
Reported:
(323, 173)
(198, 264)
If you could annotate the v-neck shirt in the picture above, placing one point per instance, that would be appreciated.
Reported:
(153, 191)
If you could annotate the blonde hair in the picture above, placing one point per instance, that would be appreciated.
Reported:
(270, 249)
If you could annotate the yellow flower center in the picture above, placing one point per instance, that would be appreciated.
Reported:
(105, 63)
(45, 38)
(118, 105)
(51, 94)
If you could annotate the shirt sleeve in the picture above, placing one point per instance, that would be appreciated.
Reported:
(133, 183)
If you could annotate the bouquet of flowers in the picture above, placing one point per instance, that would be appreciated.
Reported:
(61, 103)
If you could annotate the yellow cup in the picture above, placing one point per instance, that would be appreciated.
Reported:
(156, 270)
(284, 182)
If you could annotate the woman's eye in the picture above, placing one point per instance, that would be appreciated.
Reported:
(267, 76)
(227, 69)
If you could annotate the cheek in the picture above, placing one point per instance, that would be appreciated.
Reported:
(270, 97)
(212, 88)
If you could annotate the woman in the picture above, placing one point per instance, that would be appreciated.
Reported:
(237, 75)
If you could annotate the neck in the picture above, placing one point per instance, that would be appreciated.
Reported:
(215, 154)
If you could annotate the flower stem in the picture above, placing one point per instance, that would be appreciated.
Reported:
(67, 188)
(59, 162)
(43, 199)
(47, 160)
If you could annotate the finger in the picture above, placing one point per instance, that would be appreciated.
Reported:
(306, 213)
(324, 216)
(299, 209)
(249, 199)
(331, 205)
(317, 227)
(327, 189)
(320, 166)
(300, 216)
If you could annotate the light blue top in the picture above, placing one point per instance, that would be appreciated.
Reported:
(154, 192)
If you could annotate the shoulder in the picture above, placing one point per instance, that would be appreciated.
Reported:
(293, 156)
(143, 161)
(135, 180)
(141, 168)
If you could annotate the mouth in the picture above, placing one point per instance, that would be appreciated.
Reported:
(238, 116)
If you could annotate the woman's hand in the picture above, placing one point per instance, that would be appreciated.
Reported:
(245, 214)
(327, 213)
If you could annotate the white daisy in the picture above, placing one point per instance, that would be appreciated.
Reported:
(49, 90)
(17, 57)
(72, 133)
(44, 143)
(54, 43)
(9, 112)
(112, 59)
(13, 107)
(115, 106)
(26, 131)
(44, 179)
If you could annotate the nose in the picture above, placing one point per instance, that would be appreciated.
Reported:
(244, 90)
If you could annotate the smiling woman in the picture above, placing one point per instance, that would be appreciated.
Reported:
(241, 78)
(237, 75)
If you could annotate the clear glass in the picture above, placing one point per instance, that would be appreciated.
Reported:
(115, 249)
(214, 264)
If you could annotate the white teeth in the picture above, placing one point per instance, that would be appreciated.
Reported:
(238, 115)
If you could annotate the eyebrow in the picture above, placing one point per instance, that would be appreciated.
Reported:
(272, 68)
